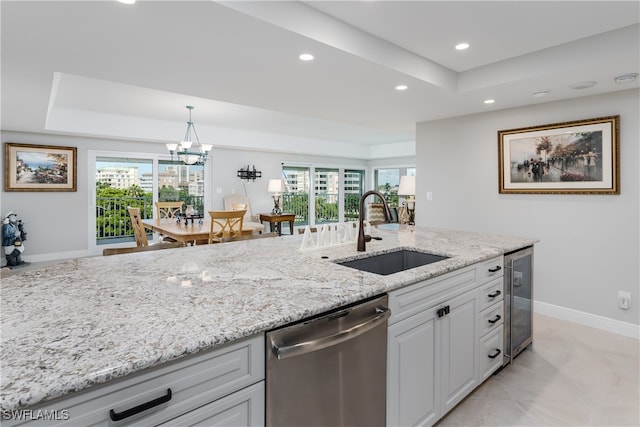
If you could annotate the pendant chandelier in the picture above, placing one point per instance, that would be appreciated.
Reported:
(189, 151)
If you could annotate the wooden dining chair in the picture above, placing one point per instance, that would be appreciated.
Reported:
(138, 228)
(229, 223)
(128, 250)
(168, 209)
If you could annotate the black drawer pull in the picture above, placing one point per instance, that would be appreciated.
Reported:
(115, 416)
(493, 270)
(443, 311)
(495, 294)
(495, 319)
(493, 356)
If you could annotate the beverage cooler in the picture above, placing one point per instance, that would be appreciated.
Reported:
(518, 292)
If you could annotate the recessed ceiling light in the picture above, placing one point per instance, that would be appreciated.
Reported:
(583, 85)
(626, 78)
(306, 57)
(489, 101)
(127, 1)
(541, 93)
(462, 46)
(402, 87)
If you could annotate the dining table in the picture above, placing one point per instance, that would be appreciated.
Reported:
(190, 231)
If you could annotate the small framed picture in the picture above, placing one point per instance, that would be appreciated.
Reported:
(579, 157)
(30, 167)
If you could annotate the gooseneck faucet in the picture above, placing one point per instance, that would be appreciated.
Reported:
(362, 238)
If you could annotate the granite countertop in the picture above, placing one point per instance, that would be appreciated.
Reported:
(82, 322)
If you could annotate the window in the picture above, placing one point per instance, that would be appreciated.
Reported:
(295, 198)
(387, 180)
(335, 196)
(119, 184)
(181, 183)
(326, 184)
(353, 190)
(138, 181)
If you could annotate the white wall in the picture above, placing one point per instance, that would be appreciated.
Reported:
(589, 244)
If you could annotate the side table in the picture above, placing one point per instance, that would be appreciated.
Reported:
(277, 220)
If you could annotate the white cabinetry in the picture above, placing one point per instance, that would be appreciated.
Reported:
(224, 386)
(436, 338)
(458, 346)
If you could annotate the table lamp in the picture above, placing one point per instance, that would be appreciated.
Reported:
(276, 186)
(407, 188)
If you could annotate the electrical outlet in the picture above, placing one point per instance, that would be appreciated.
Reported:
(624, 300)
(429, 196)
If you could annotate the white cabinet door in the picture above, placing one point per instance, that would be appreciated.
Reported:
(458, 349)
(411, 371)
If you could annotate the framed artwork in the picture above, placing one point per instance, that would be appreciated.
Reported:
(39, 168)
(579, 157)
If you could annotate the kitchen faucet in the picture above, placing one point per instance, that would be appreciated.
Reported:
(362, 238)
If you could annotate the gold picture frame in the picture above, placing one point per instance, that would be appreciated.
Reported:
(577, 157)
(30, 167)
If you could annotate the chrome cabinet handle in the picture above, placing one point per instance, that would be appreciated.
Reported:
(333, 339)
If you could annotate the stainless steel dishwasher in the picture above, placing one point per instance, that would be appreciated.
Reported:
(330, 370)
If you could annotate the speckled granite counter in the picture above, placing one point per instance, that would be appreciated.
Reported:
(83, 322)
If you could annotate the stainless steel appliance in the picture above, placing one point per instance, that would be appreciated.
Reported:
(518, 300)
(330, 370)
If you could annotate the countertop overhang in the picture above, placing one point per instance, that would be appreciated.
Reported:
(82, 322)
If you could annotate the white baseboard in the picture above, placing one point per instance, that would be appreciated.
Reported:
(56, 256)
(592, 320)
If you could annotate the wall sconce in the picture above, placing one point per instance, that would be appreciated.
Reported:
(249, 174)
(407, 188)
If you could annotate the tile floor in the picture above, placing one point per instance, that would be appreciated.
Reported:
(574, 376)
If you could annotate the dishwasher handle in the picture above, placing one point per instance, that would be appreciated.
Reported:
(333, 339)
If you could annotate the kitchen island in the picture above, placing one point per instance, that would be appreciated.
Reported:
(84, 322)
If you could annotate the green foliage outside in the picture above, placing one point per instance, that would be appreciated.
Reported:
(390, 194)
(112, 217)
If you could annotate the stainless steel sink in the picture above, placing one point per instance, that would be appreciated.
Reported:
(393, 262)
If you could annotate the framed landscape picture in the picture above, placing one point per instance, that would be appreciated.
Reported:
(579, 157)
(39, 168)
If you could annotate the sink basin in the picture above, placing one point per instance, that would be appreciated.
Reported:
(393, 262)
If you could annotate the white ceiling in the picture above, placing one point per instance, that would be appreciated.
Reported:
(101, 68)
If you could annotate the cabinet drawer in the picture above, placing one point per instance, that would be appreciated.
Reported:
(242, 408)
(490, 353)
(490, 269)
(491, 293)
(193, 382)
(491, 318)
(414, 299)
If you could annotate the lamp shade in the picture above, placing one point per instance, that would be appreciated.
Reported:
(407, 186)
(276, 186)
